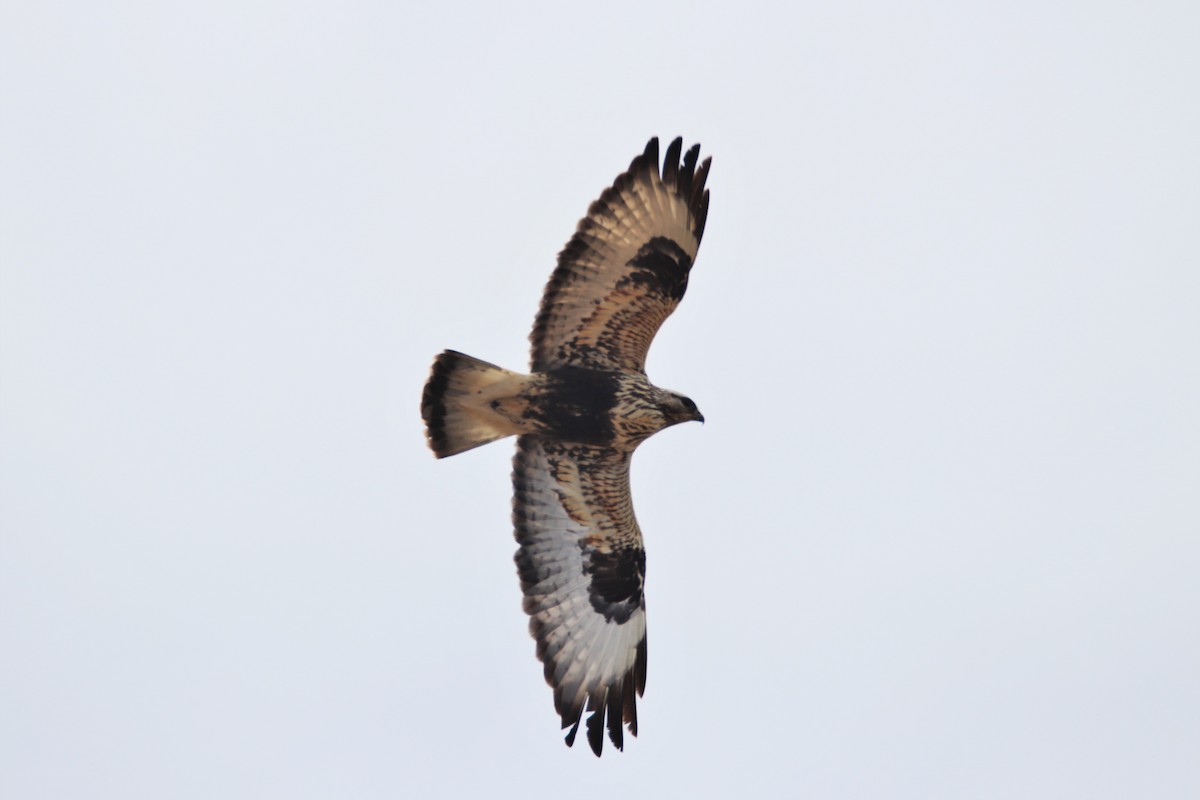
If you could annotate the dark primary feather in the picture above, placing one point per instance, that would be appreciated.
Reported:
(626, 268)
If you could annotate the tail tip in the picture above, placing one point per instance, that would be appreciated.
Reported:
(433, 403)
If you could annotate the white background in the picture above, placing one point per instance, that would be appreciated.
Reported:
(940, 537)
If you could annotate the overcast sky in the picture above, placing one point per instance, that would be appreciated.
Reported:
(939, 538)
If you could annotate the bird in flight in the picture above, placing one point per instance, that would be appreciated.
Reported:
(578, 416)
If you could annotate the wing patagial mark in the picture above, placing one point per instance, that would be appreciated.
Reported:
(618, 576)
(662, 266)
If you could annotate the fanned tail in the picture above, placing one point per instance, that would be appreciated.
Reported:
(457, 404)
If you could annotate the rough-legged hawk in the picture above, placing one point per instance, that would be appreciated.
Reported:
(578, 416)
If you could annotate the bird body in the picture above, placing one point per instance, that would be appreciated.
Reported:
(579, 415)
(469, 403)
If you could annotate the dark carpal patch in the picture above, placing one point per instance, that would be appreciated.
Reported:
(617, 580)
(661, 264)
(575, 404)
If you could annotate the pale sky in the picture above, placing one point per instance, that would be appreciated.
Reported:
(939, 538)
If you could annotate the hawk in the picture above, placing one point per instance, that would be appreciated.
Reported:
(578, 416)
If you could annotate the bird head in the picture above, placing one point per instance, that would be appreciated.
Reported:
(680, 408)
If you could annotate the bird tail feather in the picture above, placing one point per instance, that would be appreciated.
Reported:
(460, 402)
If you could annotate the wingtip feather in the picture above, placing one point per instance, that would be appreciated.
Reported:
(595, 728)
(688, 169)
(651, 151)
(670, 170)
(647, 162)
(701, 215)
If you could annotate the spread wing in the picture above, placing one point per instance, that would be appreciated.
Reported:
(582, 567)
(626, 268)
